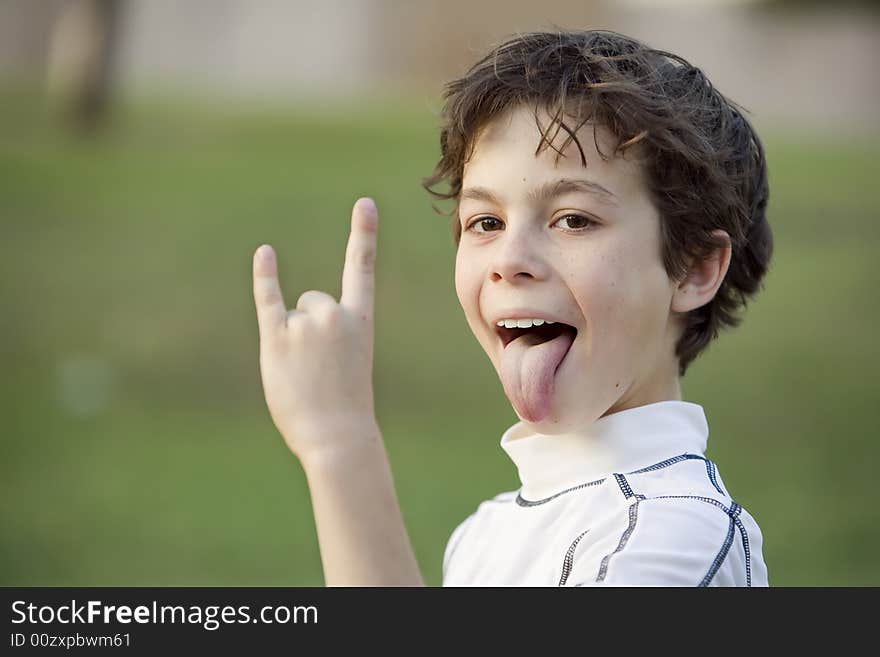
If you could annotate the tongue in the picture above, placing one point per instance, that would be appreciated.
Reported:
(528, 371)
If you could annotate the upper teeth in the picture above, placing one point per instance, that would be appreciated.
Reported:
(522, 323)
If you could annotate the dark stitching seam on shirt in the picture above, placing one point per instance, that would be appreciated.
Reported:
(707, 500)
(733, 512)
(667, 462)
(521, 501)
(633, 516)
(624, 485)
(719, 558)
(710, 468)
(569, 558)
(745, 541)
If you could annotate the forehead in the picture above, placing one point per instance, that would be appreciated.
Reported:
(504, 154)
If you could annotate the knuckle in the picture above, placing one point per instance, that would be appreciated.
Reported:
(331, 325)
(269, 297)
(296, 323)
(363, 259)
(331, 315)
(322, 320)
(272, 346)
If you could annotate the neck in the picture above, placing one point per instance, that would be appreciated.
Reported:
(660, 381)
(621, 442)
(657, 388)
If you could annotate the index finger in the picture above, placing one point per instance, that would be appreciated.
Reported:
(358, 274)
(271, 311)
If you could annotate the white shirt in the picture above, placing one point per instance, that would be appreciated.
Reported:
(631, 501)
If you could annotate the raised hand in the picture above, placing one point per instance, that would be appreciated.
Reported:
(316, 362)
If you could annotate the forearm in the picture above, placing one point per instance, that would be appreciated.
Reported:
(361, 533)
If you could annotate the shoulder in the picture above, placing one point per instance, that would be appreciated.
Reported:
(484, 508)
(677, 527)
(505, 499)
(686, 474)
(662, 542)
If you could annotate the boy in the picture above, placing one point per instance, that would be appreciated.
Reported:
(592, 276)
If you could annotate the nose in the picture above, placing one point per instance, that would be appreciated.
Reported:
(516, 257)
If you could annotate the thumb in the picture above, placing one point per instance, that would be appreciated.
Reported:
(358, 274)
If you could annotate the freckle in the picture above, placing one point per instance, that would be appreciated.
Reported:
(617, 385)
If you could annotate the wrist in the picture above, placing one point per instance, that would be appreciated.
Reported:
(345, 442)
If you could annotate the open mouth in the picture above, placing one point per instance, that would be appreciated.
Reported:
(538, 334)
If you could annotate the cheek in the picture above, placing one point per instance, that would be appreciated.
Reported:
(466, 286)
(623, 301)
(643, 316)
(602, 284)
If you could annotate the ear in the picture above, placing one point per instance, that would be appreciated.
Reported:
(704, 277)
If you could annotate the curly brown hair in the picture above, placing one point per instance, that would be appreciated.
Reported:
(705, 164)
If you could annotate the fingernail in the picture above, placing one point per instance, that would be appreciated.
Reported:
(366, 203)
(264, 253)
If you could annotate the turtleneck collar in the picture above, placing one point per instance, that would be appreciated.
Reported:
(619, 442)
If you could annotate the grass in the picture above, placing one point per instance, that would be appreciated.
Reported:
(137, 449)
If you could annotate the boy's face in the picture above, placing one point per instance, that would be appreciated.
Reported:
(527, 256)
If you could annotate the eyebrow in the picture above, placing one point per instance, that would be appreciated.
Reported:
(547, 191)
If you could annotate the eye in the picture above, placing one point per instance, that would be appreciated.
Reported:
(486, 224)
(585, 222)
(483, 221)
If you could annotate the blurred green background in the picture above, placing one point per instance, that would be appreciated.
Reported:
(137, 448)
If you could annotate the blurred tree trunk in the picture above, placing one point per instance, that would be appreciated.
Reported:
(81, 52)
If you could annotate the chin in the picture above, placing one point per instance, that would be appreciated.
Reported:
(556, 422)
